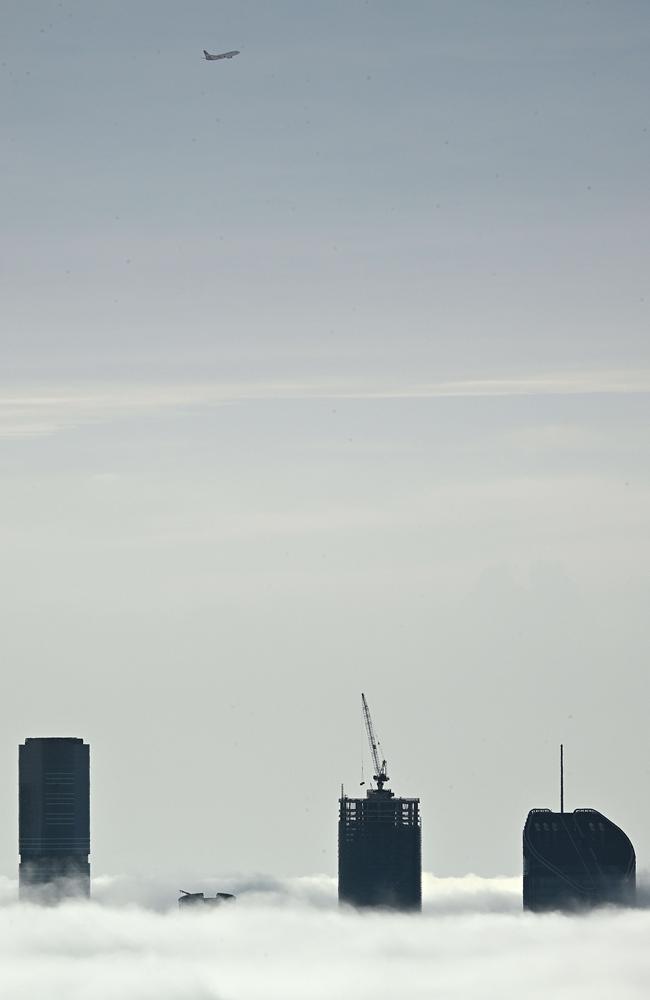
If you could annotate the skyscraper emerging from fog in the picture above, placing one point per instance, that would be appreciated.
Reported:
(54, 818)
(380, 853)
(576, 860)
(380, 842)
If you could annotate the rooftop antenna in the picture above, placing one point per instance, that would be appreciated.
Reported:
(561, 777)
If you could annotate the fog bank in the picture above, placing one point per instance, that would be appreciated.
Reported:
(288, 939)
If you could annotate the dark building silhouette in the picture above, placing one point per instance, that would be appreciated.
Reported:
(380, 841)
(576, 860)
(54, 818)
(380, 851)
(192, 899)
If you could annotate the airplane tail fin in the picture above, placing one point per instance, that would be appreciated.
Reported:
(206, 54)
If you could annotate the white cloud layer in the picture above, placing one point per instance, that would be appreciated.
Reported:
(288, 939)
(40, 412)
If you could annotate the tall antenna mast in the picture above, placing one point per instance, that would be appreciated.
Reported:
(561, 777)
(380, 775)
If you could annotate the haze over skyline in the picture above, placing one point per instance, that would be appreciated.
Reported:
(326, 369)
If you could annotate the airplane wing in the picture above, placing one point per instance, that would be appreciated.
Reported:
(220, 55)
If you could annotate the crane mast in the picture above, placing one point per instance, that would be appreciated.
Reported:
(380, 775)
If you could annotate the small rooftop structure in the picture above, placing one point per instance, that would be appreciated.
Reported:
(200, 899)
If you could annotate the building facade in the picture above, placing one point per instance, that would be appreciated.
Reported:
(54, 818)
(576, 860)
(380, 851)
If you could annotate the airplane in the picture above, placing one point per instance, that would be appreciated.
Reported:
(222, 55)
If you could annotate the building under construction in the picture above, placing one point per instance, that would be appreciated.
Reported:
(576, 860)
(380, 852)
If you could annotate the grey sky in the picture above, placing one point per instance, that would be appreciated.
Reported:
(325, 369)
(460, 186)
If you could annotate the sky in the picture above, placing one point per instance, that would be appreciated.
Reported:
(325, 369)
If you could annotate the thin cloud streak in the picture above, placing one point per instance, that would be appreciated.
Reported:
(33, 413)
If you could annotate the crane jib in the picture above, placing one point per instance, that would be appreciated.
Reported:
(380, 775)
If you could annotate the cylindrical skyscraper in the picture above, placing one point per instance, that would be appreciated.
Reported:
(54, 818)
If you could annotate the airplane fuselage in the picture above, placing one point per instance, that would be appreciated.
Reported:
(220, 55)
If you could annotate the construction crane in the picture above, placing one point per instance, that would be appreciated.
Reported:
(380, 775)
